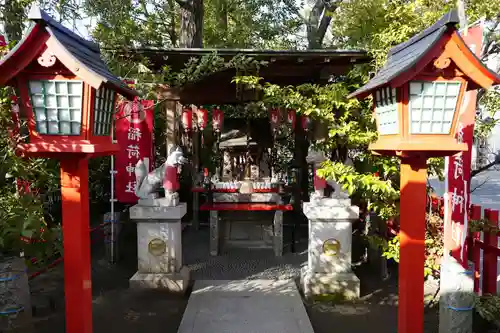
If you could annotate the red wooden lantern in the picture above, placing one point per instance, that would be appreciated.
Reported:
(274, 117)
(417, 100)
(187, 119)
(217, 119)
(201, 118)
(67, 95)
(291, 118)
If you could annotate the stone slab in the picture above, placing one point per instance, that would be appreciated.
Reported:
(145, 213)
(313, 211)
(169, 201)
(245, 306)
(173, 282)
(344, 285)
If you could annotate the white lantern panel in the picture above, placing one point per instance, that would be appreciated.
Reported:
(65, 127)
(42, 127)
(53, 127)
(432, 106)
(104, 107)
(57, 106)
(64, 115)
(386, 109)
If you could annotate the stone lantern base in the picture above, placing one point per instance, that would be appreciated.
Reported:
(159, 248)
(328, 271)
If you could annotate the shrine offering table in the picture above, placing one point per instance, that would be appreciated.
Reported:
(246, 225)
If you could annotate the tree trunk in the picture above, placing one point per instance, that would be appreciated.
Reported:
(191, 34)
(318, 23)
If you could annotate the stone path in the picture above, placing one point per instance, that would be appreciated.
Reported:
(245, 306)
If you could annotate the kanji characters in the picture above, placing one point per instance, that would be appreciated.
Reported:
(131, 186)
(134, 134)
(457, 200)
(459, 166)
(130, 169)
(133, 151)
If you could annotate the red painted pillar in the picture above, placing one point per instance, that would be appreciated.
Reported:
(474, 248)
(412, 245)
(76, 242)
(490, 257)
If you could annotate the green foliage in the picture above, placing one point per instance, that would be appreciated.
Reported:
(198, 68)
(488, 306)
(23, 228)
(433, 245)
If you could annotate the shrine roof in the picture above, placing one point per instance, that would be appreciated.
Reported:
(77, 54)
(284, 67)
(404, 57)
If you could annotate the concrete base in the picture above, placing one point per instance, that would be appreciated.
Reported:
(341, 286)
(173, 282)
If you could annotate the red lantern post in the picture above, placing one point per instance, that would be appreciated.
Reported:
(417, 98)
(69, 105)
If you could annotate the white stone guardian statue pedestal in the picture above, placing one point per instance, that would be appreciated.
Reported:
(328, 271)
(159, 248)
(159, 228)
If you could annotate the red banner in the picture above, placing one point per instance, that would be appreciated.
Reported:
(458, 168)
(134, 134)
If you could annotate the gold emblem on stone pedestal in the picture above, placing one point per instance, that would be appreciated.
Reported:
(331, 247)
(157, 247)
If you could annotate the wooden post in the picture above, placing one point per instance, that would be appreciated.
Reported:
(171, 122)
(490, 257)
(475, 249)
(76, 242)
(412, 246)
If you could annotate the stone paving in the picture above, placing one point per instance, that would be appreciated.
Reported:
(118, 309)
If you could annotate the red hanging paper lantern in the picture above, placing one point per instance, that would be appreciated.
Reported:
(217, 119)
(202, 118)
(274, 117)
(187, 119)
(292, 117)
(306, 123)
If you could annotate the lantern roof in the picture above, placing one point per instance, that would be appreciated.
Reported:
(406, 60)
(80, 56)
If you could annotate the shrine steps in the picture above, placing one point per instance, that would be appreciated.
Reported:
(245, 306)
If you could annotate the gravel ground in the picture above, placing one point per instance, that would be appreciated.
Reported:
(117, 308)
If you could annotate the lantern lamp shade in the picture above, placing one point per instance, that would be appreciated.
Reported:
(104, 106)
(217, 119)
(386, 109)
(419, 92)
(57, 106)
(187, 119)
(432, 106)
(202, 118)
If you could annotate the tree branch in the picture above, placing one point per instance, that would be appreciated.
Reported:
(486, 167)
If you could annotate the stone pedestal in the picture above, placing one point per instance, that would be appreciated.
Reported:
(159, 248)
(328, 271)
(456, 301)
